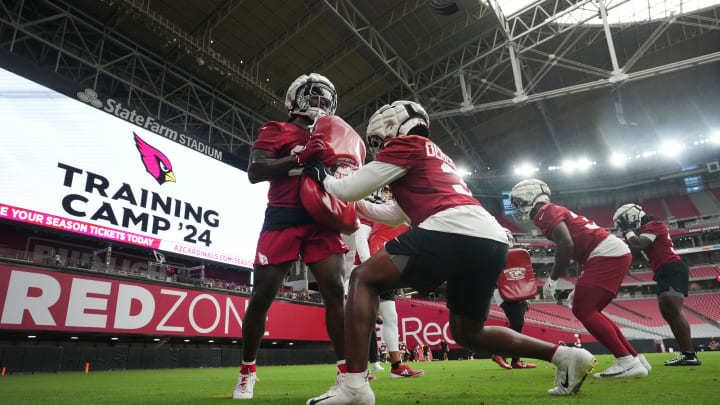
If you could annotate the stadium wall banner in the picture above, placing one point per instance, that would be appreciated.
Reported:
(69, 165)
(33, 299)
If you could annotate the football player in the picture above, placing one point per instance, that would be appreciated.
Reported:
(604, 260)
(648, 234)
(453, 238)
(278, 155)
(515, 314)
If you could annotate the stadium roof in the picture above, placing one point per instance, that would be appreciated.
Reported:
(506, 81)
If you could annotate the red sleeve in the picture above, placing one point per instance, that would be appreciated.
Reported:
(401, 151)
(269, 137)
(654, 228)
(548, 217)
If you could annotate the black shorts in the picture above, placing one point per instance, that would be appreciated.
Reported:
(675, 275)
(471, 266)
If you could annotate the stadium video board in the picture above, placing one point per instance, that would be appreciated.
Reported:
(71, 164)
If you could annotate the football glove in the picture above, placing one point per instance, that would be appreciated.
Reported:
(317, 171)
(316, 149)
(549, 288)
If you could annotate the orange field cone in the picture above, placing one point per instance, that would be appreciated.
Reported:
(3, 372)
(87, 367)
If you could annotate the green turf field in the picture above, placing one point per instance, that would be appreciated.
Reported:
(452, 382)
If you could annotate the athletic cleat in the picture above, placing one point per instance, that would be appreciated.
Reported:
(339, 380)
(682, 360)
(521, 364)
(346, 395)
(377, 367)
(644, 362)
(573, 365)
(624, 369)
(403, 371)
(245, 386)
(500, 361)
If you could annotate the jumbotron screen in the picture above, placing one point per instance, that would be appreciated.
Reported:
(88, 166)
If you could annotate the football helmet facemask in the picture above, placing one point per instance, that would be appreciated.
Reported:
(312, 95)
(395, 119)
(526, 194)
(630, 214)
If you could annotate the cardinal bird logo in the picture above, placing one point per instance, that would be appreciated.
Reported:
(156, 163)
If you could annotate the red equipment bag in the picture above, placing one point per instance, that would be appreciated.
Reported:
(517, 280)
(350, 151)
(381, 234)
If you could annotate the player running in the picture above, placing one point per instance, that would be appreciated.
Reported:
(452, 239)
(671, 274)
(604, 260)
(278, 156)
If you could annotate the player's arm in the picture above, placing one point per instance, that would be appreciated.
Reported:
(388, 214)
(563, 249)
(640, 242)
(363, 182)
(265, 166)
(362, 235)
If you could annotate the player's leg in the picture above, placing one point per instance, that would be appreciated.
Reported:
(469, 297)
(391, 336)
(267, 282)
(672, 287)
(328, 273)
(515, 313)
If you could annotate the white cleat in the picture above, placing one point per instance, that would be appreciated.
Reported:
(644, 362)
(624, 368)
(346, 395)
(245, 385)
(377, 367)
(573, 365)
(339, 380)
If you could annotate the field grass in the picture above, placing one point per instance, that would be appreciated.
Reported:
(452, 382)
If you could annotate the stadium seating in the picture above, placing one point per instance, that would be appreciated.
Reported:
(554, 314)
(644, 312)
(601, 216)
(704, 272)
(716, 191)
(707, 305)
(629, 280)
(654, 207)
(681, 206)
(643, 277)
(705, 202)
(509, 225)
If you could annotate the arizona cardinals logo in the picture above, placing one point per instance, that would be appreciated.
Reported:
(156, 163)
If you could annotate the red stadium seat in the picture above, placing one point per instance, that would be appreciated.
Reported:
(682, 206)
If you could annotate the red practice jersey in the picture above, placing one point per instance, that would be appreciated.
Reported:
(661, 251)
(430, 184)
(585, 234)
(280, 138)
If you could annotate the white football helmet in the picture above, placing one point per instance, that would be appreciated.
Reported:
(304, 89)
(632, 213)
(526, 194)
(395, 120)
(510, 237)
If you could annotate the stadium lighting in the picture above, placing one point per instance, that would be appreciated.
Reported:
(156, 339)
(234, 341)
(291, 344)
(583, 164)
(618, 160)
(671, 148)
(462, 172)
(186, 340)
(715, 138)
(211, 341)
(114, 338)
(31, 336)
(74, 338)
(525, 170)
(274, 343)
(568, 166)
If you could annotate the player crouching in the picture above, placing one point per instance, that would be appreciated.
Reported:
(452, 238)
